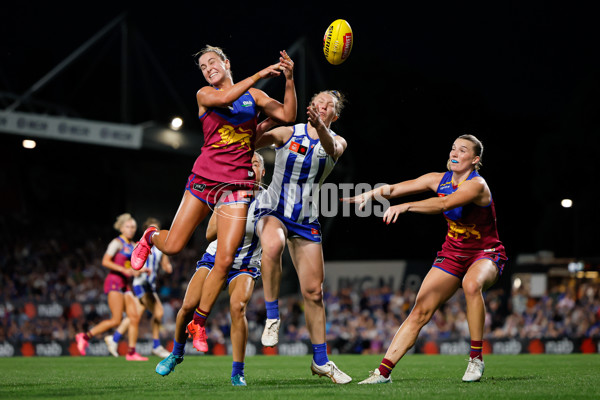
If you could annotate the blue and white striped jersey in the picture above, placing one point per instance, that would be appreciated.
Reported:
(249, 253)
(301, 166)
(153, 264)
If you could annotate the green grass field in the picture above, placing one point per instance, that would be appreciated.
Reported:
(545, 377)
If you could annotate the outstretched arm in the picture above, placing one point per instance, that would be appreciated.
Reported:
(467, 193)
(277, 137)
(419, 185)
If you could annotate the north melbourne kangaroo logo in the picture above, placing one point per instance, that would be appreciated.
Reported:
(230, 136)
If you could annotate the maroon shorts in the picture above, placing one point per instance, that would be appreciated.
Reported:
(116, 282)
(218, 193)
(457, 263)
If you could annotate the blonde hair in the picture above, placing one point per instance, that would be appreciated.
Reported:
(121, 219)
(210, 49)
(151, 221)
(340, 99)
(261, 158)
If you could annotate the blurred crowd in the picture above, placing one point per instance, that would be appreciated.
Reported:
(46, 270)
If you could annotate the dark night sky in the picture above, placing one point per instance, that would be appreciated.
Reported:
(523, 76)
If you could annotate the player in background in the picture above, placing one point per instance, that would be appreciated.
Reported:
(144, 288)
(305, 155)
(222, 174)
(117, 287)
(240, 284)
(472, 256)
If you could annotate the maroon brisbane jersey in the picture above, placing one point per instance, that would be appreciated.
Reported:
(229, 138)
(471, 228)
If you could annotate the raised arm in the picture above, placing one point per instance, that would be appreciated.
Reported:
(209, 97)
(282, 113)
(333, 145)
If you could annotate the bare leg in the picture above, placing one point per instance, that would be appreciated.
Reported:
(307, 257)
(437, 287)
(480, 276)
(116, 303)
(190, 302)
(189, 215)
(123, 326)
(134, 315)
(153, 304)
(231, 226)
(240, 292)
(272, 235)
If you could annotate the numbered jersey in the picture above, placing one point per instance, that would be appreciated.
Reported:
(301, 167)
(470, 227)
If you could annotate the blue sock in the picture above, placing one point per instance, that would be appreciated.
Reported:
(117, 336)
(178, 348)
(237, 369)
(320, 353)
(272, 309)
(156, 343)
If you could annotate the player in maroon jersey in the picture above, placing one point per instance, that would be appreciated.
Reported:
(118, 289)
(222, 177)
(472, 257)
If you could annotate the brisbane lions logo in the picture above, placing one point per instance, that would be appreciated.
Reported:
(457, 230)
(231, 136)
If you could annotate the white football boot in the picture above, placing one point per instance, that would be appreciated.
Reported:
(331, 371)
(270, 336)
(474, 370)
(161, 352)
(112, 346)
(375, 377)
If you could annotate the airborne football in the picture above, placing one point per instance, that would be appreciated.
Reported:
(337, 42)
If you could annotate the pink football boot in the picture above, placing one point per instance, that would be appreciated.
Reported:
(82, 343)
(141, 250)
(198, 334)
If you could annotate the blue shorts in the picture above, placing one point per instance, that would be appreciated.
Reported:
(310, 231)
(141, 290)
(208, 262)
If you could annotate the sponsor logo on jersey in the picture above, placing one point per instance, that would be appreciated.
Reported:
(298, 148)
(246, 103)
(321, 153)
(314, 231)
(199, 187)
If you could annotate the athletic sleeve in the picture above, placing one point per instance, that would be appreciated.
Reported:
(113, 247)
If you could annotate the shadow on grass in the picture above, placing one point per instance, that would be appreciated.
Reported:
(511, 378)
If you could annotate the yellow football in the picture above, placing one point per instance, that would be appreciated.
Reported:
(337, 42)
